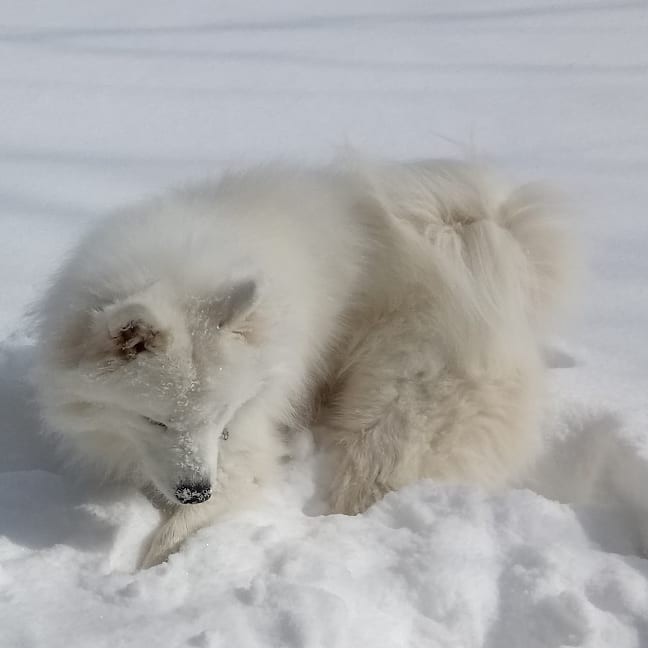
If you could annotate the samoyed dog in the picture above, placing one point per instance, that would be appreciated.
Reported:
(394, 309)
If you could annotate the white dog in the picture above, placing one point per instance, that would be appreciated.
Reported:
(396, 309)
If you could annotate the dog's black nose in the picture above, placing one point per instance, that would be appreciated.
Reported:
(193, 492)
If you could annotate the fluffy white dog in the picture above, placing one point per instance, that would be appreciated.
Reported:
(396, 309)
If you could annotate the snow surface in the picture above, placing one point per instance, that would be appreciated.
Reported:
(104, 102)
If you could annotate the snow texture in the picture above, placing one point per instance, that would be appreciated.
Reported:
(104, 102)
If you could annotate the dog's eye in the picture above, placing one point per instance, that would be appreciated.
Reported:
(162, 426)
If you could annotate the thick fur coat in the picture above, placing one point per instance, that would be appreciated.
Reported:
(395, 309)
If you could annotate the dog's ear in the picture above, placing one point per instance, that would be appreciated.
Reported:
(134, 329)
(234, 304)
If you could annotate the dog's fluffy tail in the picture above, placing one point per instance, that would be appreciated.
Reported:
(502, 260)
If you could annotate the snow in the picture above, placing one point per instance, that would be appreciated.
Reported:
(106, 102)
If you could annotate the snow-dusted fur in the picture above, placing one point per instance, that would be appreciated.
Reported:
(394, 308)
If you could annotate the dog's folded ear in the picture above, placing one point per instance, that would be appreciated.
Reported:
(133, 329)
(234, 303)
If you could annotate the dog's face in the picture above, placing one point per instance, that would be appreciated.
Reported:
(161, 380)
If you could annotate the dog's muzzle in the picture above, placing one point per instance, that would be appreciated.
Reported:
(193, 493)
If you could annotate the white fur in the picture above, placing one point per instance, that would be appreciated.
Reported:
(395, 308)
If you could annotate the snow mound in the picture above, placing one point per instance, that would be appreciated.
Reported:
(434, 565)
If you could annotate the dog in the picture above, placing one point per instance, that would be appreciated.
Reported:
(395, 309)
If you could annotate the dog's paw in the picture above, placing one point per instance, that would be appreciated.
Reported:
(351, 497)
(165, 541)
(183, 521)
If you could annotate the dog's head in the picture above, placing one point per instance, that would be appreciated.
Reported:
(150, 383)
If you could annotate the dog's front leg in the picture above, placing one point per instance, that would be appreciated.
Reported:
(183, 521)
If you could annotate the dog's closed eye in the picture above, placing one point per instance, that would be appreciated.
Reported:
(162, 426)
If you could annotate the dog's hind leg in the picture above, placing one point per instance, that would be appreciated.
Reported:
(365, 461)
(370, 427)
(400, 415)
(482, 432)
